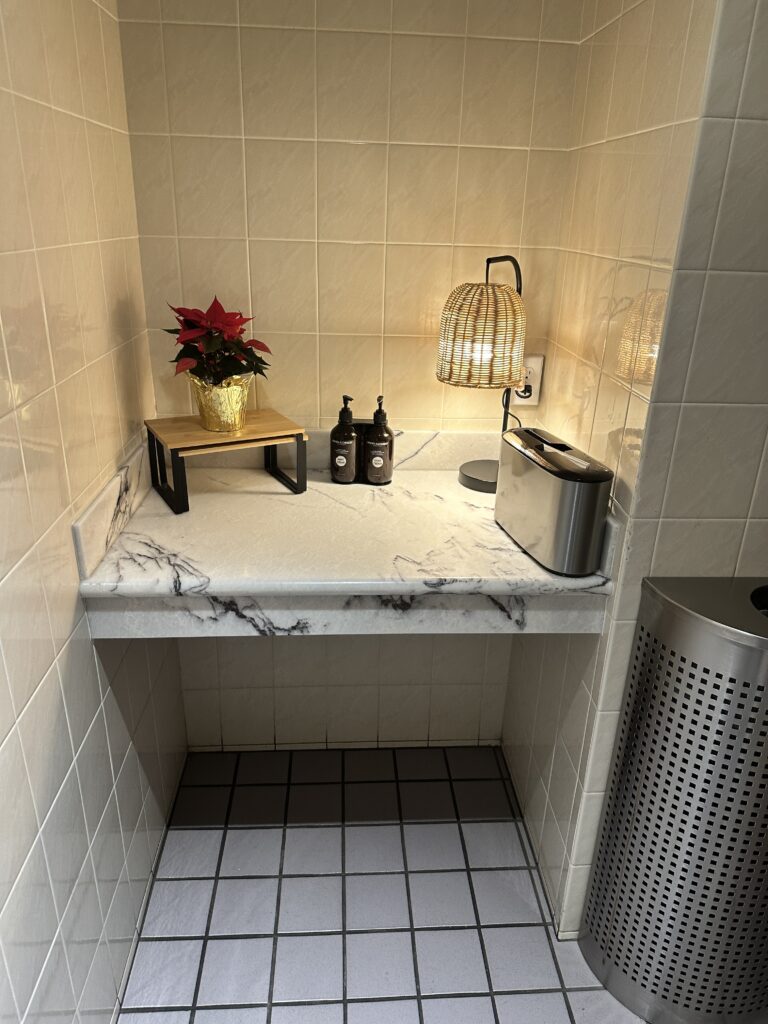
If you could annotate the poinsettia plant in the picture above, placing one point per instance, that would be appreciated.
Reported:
(213, 346)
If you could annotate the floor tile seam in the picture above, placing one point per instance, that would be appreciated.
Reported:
(267, 826)
(497, 869)
(465, 853)
(337, 782)
(404, 854)
(276, 934)
(343, 894)
(199, 979)
(318, 933)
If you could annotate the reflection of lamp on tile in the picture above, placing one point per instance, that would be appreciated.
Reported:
(482, 335)
(640, 338)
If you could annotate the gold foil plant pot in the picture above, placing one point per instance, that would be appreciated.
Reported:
(219, 361)
(222, 406)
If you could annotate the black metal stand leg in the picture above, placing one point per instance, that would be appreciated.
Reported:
(176, 497)
(299, 485)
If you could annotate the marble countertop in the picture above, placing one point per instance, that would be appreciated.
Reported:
(245, 534)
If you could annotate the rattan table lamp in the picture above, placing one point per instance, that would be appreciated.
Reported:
(482, 337)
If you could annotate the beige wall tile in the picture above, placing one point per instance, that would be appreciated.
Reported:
(63, 72)
(426, 89)
(214, 266)
(629, 71)
(42, 173)
(447, 17)
(418, 282)
(57, 276)
(696, 60)
(210, 188)
(754, 96)
(493, 113)
(410, 384)
(351, 191)
(697, 547)
(79, 202)
(575, 383)
(352, 83)
(561, 19)
(351, 287)
(105, 186)
(153, 177)
(171, 392)
(106, 414)
(630, 287)
(120, 325)
(78, 431)
(658, 101)
(644, 192)
(199, 102)
(162, 280)
(93, 71)
(753, 559)
(740, 241)
(608, 424)
(110, 33)
(142, 54)
(472, 404)
(221, 11)
(26, 342)
(602, 57)
(292, 378)
(141, 9)
(489, 202)
(25, 631)
(615, 171)
(17, 536)
(545, 184)
(25, 41)
(351, 365)
(14, 212)
(278, 82)
(40, 433)
(555, 80)
(283, 285)
(499, 18)
(367, 15)
(128, 401)
(290, 13)
(421, 194)
(281, 189)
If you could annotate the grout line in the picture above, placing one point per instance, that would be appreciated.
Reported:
(273, 964)
(417, 981)
(315, 141)
(343, 885)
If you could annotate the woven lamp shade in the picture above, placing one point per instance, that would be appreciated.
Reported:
(640, 338)
(482, 337)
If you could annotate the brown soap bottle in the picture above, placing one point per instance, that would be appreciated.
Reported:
(344, 446)
(379, 449)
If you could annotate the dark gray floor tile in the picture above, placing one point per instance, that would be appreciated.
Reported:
(252, 1015)
(263, 766)
(369, 766)
(473, 763)
(398, 1011)
(373, 848)
(371, 802)
(244, 906)
(315, 805)
(252, 851)
(450, 962)
(467, 1010)
(380, 965)
(212, 769)
(235, 971)
(190, 853)
(433, 847)
(312, 851)
(310, 904)
(316, 766)
(420, 763)
(505, 897)
(177, 909)
(479, 800)
(537, 1008)
(441, 900)
(520, 958)
(376, 901)
(163, 974)
(427, 801)
(493, 844)
(258, 805)
(201, 806)
(172, 1017)
(308, 967)
(324, 1013)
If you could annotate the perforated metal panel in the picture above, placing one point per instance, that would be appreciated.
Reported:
(676, 920)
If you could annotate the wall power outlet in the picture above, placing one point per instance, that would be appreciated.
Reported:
(534, 370)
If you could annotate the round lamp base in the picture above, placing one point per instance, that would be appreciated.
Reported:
(480, 475)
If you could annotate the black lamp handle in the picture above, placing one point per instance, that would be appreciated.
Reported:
(515, 264)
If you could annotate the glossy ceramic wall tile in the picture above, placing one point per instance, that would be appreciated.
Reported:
(82, 812)
(334, 177)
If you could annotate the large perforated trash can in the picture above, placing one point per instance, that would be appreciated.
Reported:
(676, 919)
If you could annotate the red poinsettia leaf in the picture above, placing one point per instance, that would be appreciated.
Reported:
(215, 311)
(189, 333)
(188, 314)
(185, 364)
(260, 345)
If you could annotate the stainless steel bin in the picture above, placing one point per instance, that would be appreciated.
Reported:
(676, 919)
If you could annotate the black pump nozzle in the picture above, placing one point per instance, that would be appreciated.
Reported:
(345, 414)
(380, 416)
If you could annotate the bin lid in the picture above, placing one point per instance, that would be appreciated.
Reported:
(556, 456)
(738, 605)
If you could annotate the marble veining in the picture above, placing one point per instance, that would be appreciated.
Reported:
(246, 536)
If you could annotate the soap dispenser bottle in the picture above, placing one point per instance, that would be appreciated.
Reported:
(344, 446)
(379, 448)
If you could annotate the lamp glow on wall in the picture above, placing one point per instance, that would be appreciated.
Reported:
(641, 337)
(482, 339)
